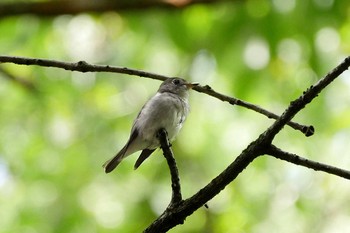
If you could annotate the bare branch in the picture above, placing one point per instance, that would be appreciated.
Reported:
(83, 66)
(80, 66)
(306, 130)
(55, 8)
(175, 179)
(298, 160)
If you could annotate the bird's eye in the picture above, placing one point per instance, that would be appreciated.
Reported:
(176, 81)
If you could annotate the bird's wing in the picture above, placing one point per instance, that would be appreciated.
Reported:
(111, 164)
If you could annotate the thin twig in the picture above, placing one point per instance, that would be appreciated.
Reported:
(83, 66)
(306, 130)
(175, 179)
(298, 160)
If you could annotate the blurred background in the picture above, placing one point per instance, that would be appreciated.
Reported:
(58, 127)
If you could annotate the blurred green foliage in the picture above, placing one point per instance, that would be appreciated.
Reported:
(54, 141)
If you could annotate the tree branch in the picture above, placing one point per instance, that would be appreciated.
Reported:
(175, 179)
(298, 160)
(83, 66)
(55, 8)
(306, 130)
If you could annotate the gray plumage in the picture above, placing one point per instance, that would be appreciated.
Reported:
(167, 109)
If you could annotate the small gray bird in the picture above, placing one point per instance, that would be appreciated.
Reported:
(167, 109)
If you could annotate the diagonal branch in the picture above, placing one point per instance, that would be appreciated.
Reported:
(306, 130)
(175, 179)
(298, 160)
(83, 66)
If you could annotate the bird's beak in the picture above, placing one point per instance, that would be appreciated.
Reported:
(191, 85)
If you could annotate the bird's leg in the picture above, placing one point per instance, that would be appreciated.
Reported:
(162, 132)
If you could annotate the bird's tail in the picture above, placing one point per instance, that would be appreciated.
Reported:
(111, 164)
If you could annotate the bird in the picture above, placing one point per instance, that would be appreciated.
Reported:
(167, 110)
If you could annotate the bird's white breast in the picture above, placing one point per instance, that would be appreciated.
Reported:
(164, 110)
